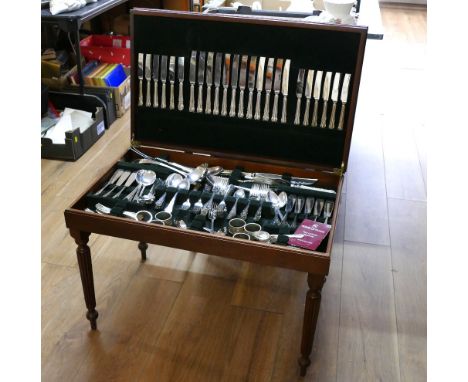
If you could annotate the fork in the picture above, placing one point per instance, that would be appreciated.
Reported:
(222, 209)
(213, 215)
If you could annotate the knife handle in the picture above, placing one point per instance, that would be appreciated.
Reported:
(148, 93)
(249, 106)
(163, 95)
(232, 111)
(306, 114)
(298, 111)
(274, 112)
(216, 101)
(283, 113)
(331, 125)
(155, 100)
(224, 105)
(323, 122)
(266, 110)
(192, 96)
(257, 106)
(180, 104)
(171, 100)
(208, 99)
(342, 113)
(314, 116)
(200, 99)
(240, 114)
(140, 96)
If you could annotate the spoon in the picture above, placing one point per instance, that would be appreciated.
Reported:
(172, 180)
(183, 185)
(289, 206)
(240, 193)
(309, 204)
(299, 205)
(215, 170)
(197, 173)
(318, 207)
(145, 178)
(328, 210)
(142, 215)
(278, 201)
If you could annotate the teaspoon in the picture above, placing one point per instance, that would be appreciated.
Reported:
(240, 193)
(183, 185)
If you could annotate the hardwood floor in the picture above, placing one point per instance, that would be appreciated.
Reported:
(185, 316)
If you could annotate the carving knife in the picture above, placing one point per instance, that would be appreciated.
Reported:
(217, 81)
(171, 81)
(334, 98)
(325, 96)
(155, 79)
(180, 75)
(316, 95)
(242, 83)
(299, 89)
(226, 74)
(268, 85)
(260, 72)
(201, 80)
(192, 74)
(308, 93)
(234, 78)
(284, 89)
(209, 81)
(163, 80)
(148, 79)
(140, 78)
(344, 99)
(277, 88)
(251, 84)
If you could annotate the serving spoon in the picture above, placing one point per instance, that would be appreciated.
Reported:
(183, 185)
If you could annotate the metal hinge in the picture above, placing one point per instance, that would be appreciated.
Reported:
(339, 171)
(135, 143)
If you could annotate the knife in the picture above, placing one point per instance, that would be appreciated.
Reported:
(209, 81)
(201, 80)
(148, 79)
(180, 74)
(261, 70)
(334, 98)
(242, 82)
(217, 80)
(171, 81)
(140, 77)
(308, 93)
(268, 84)
(276, 89)
(234, 78)
(316, 95)
(163, 80)
(284, 87)
(325, 96)
(344, 99)
(299, 89)
(120, 181)
(251, 84)
(127, 184)
(155, 79)
(226, 74)
(192, 74)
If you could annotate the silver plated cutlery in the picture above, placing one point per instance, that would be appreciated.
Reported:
(163, 81)
(155, 79)
(225, 80)
(344, 99)
(140, 69)
(325, 96)
(148, 79)
(112, 180)
(299, 90)
(308, 94)
(334, 98)
(242, 84)
(284, 89)
(217, 82)
(128, 183)
(180, 75)
(234, 78)
(328, 210)
(277, 88)
(171, 81)
(260, 74)
(192, 75)
(201, 80)
(318, 207)
(268, 86)
(251, 85)
(316, 95)
(209, 81)
(122, 178)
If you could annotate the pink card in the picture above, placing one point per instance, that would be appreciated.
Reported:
(314, 232)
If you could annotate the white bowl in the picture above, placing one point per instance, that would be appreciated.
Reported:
(340, 9)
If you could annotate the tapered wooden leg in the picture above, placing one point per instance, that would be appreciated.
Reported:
(83, 255)
(143, 247)
(312, 306)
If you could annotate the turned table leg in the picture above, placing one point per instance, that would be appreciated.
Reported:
(142, 246)
(311, 311)
(83, 255)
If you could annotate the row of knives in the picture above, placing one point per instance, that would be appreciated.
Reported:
(258, 74)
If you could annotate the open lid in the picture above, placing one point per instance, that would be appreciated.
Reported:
(318, 47)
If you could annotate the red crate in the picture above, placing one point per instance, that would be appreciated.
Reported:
(105, 48)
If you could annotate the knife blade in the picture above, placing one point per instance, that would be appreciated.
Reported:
(122, 178)
(140, 67)
(192, 74)
(201, 80)
(299, 90)
(225, 80)
(127, 184)
(171, 81)
(277, 88)
(217, 81)
(268, 86)
(251, 84)
(284, 89)
(234, 78)
(155, 79)
(325, 96)
(209, 81)
(259, 86)
(334, 98)
(148, 79)
(316, 95)
(242, 83)
(344, 99)
(308, 93)
(163, 80)
(180, 75)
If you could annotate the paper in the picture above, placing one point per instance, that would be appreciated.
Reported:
(69, 121)
(314, 233)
